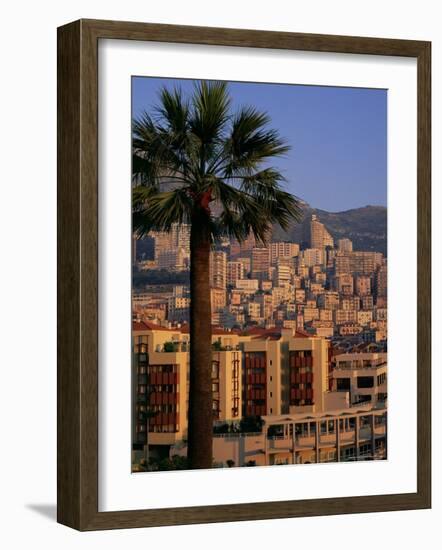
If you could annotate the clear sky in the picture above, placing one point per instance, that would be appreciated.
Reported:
(338, 136)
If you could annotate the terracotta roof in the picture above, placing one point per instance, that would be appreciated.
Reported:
(262, 332)
(147, 325)
(138, 325)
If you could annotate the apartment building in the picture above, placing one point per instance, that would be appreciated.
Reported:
(329, 300)
(218, 269)
(284, 371)
(343, 316)
(160, 383)
(363, 286)
(346, 435)
(365, 317)
(342, 436)
(283, 250)
(381, 280)
(283, 274)
(344, 284)
(176, 258)
(319, 236)
(235, 271)
(178, 308)
(313, 256)
(345, 245)
(218, 299)
(363, 376)
(260, 262)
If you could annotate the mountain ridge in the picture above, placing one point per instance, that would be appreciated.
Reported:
(366, 226)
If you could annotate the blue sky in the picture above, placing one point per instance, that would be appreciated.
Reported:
(338, 136)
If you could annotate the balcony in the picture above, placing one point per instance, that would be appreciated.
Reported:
(160, 378)
(279, 443)
(305, 442)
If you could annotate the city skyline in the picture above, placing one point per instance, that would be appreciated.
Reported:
(254, 346)
(324, 301)
(338, 136)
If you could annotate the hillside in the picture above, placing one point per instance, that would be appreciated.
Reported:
(366, 227)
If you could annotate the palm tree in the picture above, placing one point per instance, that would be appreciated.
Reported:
(196, 162)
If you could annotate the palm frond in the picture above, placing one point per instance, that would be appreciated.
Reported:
(251, 143)
(192, 153)
(210, 111)
(160, 211)
(174, 111)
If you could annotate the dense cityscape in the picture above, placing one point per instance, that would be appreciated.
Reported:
(299, 350)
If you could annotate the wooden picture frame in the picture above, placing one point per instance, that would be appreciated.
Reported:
(78, 274)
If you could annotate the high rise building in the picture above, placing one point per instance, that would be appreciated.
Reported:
(319, 236)
(364, 262)
(177, 237)
(218, 300)
(363, 285)
(313, 256)
(182, 235)
(283, 250)
(345, 245)
(341, 264)
(260, 262)
(283, 273)
(235, 271)
(344, 284)
(173, 258)
(381, 281)
(218, 269)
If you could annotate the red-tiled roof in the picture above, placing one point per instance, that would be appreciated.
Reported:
(138, 325)
(258, 332)
(147, 325)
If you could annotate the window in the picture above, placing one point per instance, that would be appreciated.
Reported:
(365, 382)
(343, 384)
(349, 452)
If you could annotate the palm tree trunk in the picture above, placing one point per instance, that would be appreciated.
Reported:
(200, 383)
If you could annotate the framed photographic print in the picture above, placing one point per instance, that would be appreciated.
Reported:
(243, 275)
